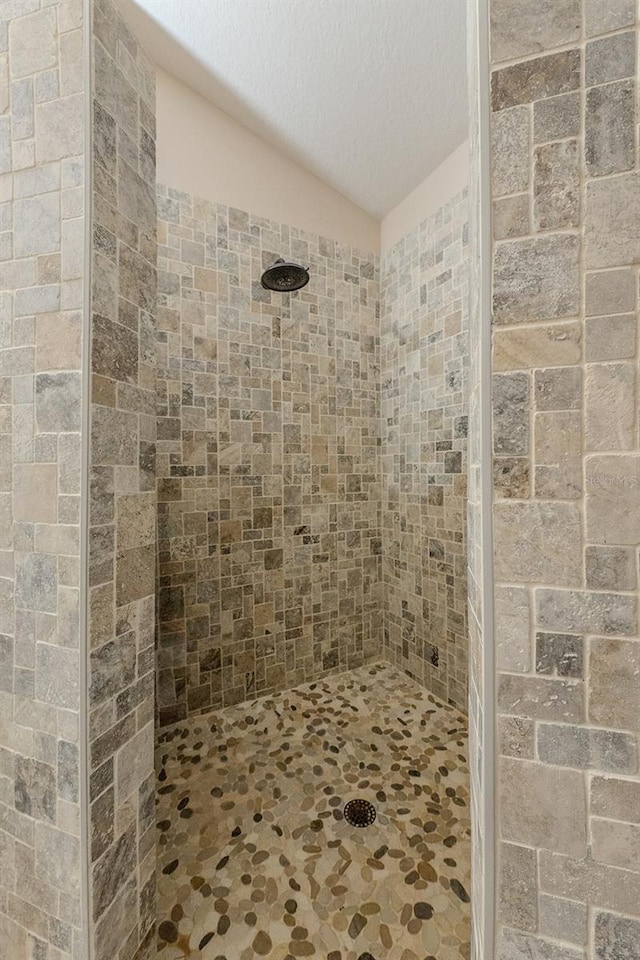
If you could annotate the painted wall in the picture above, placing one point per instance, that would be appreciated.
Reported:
(566, 482)
(268, 458)
(446, 181)
(122, 505)
(423, 412)
(42, 395)
(204, 152)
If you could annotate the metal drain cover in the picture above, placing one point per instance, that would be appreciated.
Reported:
(359, 813)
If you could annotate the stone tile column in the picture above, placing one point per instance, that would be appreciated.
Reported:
(566, 483)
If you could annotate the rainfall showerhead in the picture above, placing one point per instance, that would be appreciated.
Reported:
(285, 277)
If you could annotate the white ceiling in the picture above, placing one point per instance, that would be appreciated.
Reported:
(369, 95)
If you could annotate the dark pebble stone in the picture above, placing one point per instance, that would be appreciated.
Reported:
(423, 911)
(450, 862)
(186, 814)
(449, 841)
(205, 941)
(366, 956)
(222, 863)
(380, 852)
(414, 773)
(316, 825)
(294, 885)
(162, 776)
(168, 931)
(460, 891)
(164, 825)
(223, 924)
(278, 830)
(291, 906)
(183, 803)
(257, 817)
(246, 879)
(236, 832)
(250, 919)
(357, 925)
(170, 867)
(412, 876)
(429, 826)
(195, 759)
(170, 787)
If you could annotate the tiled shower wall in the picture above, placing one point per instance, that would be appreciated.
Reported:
(268, 459)
(42, 144)
(122, 508)
(566, 209)
(425, 281)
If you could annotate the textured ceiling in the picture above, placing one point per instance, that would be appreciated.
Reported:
(369, 95)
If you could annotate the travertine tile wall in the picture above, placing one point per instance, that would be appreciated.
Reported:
(566, 214)
(122, 507)
(268, 459)
(42, 144)
(425, 280)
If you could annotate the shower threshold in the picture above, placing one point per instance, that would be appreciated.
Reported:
(256, 858)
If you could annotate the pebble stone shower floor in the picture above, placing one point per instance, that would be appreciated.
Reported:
(256, 859)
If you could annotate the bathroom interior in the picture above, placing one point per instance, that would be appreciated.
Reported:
(319, 480)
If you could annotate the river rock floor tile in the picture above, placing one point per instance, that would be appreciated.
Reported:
(256, 859)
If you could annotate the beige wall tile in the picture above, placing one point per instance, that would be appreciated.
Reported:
(538, 541)
(612, 488)
(610, 406)
(616, 843)
(36, 492)
(543, 806)
(614, 683)
(539, 346)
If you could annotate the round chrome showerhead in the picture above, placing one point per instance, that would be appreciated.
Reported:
(285, 277)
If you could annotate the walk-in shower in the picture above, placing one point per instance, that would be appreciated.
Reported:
(312, 762)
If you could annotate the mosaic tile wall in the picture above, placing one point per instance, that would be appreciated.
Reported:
(566, 209)
(424, 451)
(122, 509)
(42, 144)
(268, 459)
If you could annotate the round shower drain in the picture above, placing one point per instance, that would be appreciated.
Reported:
(359, 813)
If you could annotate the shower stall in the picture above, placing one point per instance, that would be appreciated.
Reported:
(278, 603)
